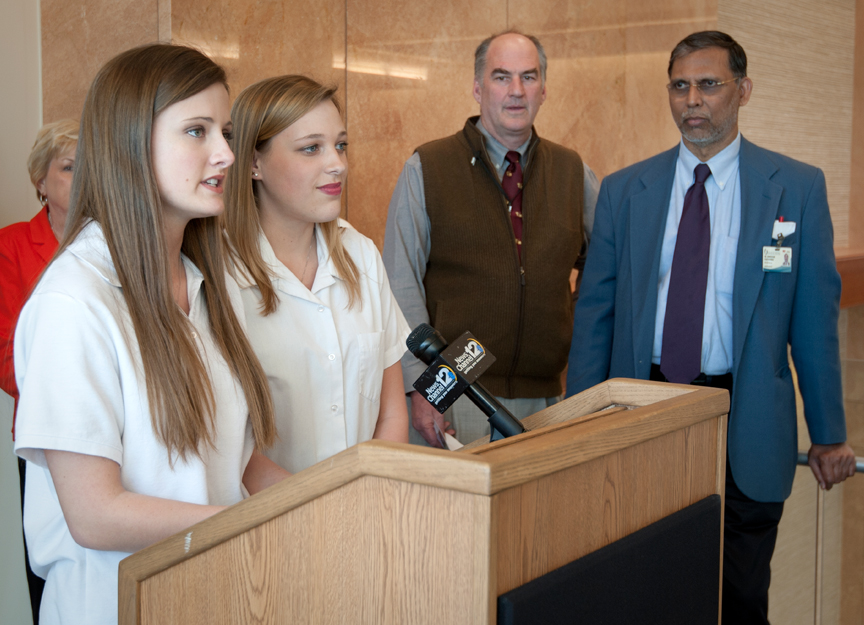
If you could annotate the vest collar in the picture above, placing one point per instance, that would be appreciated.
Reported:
(477, 142)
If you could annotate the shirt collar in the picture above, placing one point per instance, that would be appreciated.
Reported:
(91, 247)
(723, 165)
(497, 151)
(286, 281)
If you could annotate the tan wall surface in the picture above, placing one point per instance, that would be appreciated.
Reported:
(405, 74)
(856, 204)
(256, 40)
(20, 107)
(77, 39)
(21, 112)
(801, 60)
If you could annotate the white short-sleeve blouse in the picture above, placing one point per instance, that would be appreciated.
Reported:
(82, 389)
(325, 361)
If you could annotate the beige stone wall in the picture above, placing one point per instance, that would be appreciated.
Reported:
(802, 58)
(21, 113)
(19, 107)
(405, 71)
(801, 61)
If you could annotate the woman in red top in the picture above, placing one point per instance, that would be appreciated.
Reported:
(25, 249)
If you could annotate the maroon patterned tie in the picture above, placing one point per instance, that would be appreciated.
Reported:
(681, 355)
(512, 184)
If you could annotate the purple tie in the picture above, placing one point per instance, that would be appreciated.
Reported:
(681, 355)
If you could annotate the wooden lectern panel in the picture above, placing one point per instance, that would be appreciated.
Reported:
(549, 522)
(388, 533)
(381, 550)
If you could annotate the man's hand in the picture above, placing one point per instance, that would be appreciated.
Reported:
(423, 415)
(831, 464)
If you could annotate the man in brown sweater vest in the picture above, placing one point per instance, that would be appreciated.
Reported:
(483, 231)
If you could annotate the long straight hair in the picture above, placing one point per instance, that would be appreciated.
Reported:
(261, 112)
(114, 185)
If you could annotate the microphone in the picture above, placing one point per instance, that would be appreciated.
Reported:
(453, 370)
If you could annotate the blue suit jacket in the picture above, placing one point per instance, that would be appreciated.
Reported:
(613, 327)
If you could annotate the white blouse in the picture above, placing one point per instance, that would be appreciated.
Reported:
(79, 369)
(325, 362)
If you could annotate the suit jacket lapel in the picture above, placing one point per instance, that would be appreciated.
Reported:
(648, 212)
(760, 201)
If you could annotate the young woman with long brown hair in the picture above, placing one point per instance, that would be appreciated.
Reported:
(142, 404)
(319, 309)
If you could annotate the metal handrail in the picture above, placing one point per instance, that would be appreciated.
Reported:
(859, 462)
(820, 514)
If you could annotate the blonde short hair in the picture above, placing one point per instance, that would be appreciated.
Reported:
(52, 140)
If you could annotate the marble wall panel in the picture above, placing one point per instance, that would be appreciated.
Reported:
(409, 80)
(607, 69)
(78, 38)
(19, 75)
(801, 60)
(856, 194)
(259, 39)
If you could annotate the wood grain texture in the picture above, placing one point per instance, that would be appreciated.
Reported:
(534, 457)
(443, 469)
(539, 424)
(722, 426)
(594, 402)
(390, 533)
(375, 551)
(850, 264)
(546, 523)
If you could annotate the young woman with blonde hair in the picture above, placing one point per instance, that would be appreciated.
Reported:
(142, 404)
(319, 309)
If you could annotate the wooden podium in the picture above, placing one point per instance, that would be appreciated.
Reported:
(391, 533)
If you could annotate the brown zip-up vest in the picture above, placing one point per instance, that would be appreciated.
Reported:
(522, 314)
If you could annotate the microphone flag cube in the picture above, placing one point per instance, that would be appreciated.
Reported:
(455, 368)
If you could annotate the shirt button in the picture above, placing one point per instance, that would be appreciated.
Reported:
(194, 335)
(320, 309)
(332, 357)
(334, 408)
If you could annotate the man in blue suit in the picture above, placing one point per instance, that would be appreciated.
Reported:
(706, 263)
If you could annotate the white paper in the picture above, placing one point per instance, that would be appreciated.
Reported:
(452, 443)
(446, 440)
(783, 227)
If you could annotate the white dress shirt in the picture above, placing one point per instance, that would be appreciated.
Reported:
(723, 188)
(324, 361)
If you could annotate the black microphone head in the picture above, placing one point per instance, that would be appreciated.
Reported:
(425, 342)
